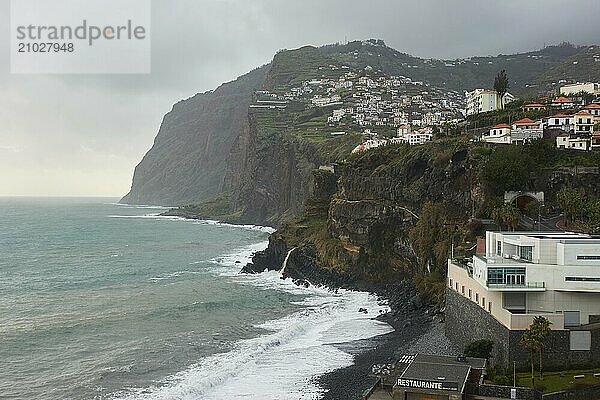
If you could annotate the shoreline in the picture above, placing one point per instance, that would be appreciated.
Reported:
(418, 327)
(414, 333)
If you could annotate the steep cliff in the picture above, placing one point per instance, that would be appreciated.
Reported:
(186, 163)
(400, 211)
(212, 147)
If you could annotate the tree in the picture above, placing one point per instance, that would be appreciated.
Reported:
(534, 338)
(541, 328)
(506, 215)
(529, 342)
(480, 349)
(429, 237)
(508, 168)
(571, 202)
(501, 85)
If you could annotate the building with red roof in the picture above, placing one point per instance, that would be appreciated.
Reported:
(562, 103)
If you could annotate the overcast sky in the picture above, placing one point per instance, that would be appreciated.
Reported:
(84, 134)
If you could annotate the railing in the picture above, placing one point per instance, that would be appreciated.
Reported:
(526, 285)
(464, 263)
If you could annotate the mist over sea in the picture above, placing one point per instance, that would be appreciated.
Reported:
(104, 301)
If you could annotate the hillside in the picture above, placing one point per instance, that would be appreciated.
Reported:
(400, 211)
(254, 165)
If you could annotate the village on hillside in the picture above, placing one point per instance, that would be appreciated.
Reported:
(396, 109)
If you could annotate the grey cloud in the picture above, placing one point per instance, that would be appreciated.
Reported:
(72, 129)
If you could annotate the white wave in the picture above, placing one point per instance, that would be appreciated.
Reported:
(282, 364)
(265, 229)
(140, 206)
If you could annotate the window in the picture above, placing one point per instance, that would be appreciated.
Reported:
(490, 306)
(483, 302)
(463, 290)
(588, 257)
(499, 248)
(581, 279)
(470, 293)
(556, 122)
(526, 252)
(450, 283)
(456, 284)
(506, 276)
(476, 297)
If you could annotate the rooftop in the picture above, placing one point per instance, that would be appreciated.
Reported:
(551, 235)
(562, 99)
(526, 121)
(450, 373)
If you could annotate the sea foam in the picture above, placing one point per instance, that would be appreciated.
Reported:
(283, 363)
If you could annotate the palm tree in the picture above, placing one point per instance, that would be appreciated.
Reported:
(541, 327)
(528, 340)
(501, 85)
(534, 338)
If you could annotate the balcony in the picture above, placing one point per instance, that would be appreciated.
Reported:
(515, 287)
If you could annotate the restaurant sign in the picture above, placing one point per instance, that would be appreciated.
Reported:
(425, 384)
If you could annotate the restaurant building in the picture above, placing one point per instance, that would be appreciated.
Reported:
(438, 377)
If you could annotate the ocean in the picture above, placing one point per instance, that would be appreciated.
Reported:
(106, 301)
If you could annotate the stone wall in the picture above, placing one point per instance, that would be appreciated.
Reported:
(589, 393)
(503, 392)
(466, 322)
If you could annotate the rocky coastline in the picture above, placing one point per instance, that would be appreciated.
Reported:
(418, 325)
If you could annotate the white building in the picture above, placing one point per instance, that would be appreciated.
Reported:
(527, 274)
(566, 141)
(584, 123)
(483, 100)
(499, 134)
(526, 130)
(592, 88)
(560, 121)
(319, 101)
(403, 130)
(416, 138)
(594, 109)
(369, 144)
(562, 103)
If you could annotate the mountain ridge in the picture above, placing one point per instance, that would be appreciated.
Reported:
(212, 145)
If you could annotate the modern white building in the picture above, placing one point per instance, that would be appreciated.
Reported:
(589, 87)
(527, 274)
(521, 132)
(483, 100)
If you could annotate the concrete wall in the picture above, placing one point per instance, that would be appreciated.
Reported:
(467, 322)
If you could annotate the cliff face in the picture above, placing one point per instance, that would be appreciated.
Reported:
(357, 225)
(212, 144)
(187, 162)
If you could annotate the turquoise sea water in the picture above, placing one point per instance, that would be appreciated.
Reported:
(99, 300)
